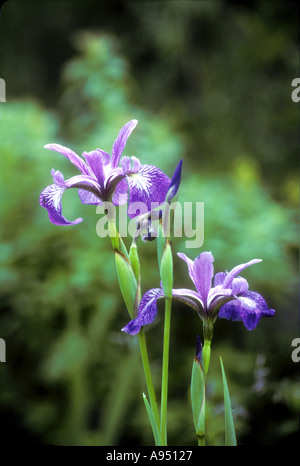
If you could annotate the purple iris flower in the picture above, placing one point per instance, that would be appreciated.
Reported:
(228, 298)
(105, 178)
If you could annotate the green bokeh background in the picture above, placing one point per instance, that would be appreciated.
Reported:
(209, 82)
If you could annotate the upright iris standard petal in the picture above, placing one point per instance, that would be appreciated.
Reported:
(96, 162)
(190, 263)
(72, 156)
(121, 141)
(174, 184)
(203, 271)
(236, 270)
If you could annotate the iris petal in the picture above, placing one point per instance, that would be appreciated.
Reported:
(147, 311)
(96, 162)
(248, 308)
(120, 142)
(148, 186)
(236, 270)
(203, 272)
(72, 156)
(50, 199)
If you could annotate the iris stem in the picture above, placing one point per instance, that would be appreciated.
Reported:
(112, 229)
(115, 241)
(148, 376)
(165, 371)
(206, 355)
(206, 360)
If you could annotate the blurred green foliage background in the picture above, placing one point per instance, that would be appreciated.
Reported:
(209, 82)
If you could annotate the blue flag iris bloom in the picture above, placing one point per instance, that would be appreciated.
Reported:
(105, 178)
(228, 298)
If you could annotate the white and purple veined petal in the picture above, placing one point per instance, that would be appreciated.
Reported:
(147, 186)
(147, 311)
(248, 308)
(50, 199)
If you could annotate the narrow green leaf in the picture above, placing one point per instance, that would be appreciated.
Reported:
(134, 260)
(122, 247)
(155, 429)
(166, 270)
(230, 437)
(198, 398)
(127, 281)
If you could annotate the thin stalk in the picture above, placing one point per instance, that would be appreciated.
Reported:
(206, 361)
(148, 376)
(141, 335)
(206, 355)
(165, 371)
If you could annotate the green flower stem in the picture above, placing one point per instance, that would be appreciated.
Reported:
(148, 376)
(118, 245)
(208, 334)
(206, 355)
(165, 371)
(112, 229)
(206, 352)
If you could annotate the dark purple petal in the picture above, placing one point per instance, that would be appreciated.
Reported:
(198, 349)
(147, 311)
(72, 156)
(248, 308)
(50, 198)
(174, 184)
(148, 186)
(120, 142)
(203, 272)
